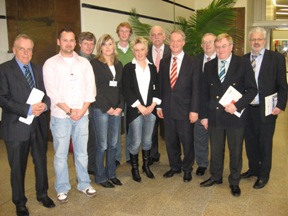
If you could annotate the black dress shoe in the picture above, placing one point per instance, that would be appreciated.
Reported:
(90, 172)
(187, 177)
(117, 163)
(171, 173)
(235, 190)
(259, 184)
(107, 184)
(246, 174)
(153, 160)
(209, 182)
(47, 202)
(200, 171)
(22, 211)
(116, 181)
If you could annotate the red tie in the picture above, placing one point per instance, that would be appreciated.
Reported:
(173, 74)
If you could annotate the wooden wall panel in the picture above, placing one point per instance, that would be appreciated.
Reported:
(42, 20)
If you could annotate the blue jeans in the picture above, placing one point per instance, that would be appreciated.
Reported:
(119, 145)
(106, 129)
(140, 131)
(62, 130)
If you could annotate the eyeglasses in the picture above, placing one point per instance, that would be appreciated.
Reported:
(157, 35)
(257, 40)
(225, 46)
(208, 42)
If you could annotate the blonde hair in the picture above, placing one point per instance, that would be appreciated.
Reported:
(138, 40)
(101, 41)
(224, 35)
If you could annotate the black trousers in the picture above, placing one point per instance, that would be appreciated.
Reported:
(18, 152)
(235, 138)
(179, 132)
(91, 145)
(154, 148)
(259, 141)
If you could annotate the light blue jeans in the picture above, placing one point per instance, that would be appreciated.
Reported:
(140, 132)
(106, 129)
(62, 130)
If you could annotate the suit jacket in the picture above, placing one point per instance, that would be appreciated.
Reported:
(272, 78)
(240, 75)
(166, 52)
(185, 96)
(201, 58)
(14, 92)
(132, 93)
(107, 96)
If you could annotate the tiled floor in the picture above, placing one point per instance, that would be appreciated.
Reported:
(162, 196)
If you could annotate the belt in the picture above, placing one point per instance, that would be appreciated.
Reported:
(254, 105)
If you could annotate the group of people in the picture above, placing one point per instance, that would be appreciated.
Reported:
(87, 94)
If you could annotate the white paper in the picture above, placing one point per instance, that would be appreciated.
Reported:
(231, 96)
(270, 103)
(35, 96)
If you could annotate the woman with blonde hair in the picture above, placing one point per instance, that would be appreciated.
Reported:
(107, 109)
(140, 89)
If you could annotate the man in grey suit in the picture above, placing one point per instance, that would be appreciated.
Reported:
(179, 78)
(227, 70)
(17, 79)
(200, 133)
(156, 52)
(270, 74)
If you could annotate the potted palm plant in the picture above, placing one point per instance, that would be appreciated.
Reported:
(217, 17)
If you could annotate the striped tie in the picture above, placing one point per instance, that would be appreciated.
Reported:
(28, 77)
(222, 71)
(173, 74)
(253, 61)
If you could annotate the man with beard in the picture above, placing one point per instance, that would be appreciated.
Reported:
(270, 74)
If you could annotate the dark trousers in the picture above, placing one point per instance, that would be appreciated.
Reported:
(235, 138)
(154, 148)
(259, 139)
(18, 152)
(176, 132)
(91, 146)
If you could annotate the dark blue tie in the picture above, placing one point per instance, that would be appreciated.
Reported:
(28, 77)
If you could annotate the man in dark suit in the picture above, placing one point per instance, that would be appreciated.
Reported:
(17, 78)
(179, 78)
(200, 133)
(87, 42)
(156, 52)
(270, 74)
(219, 74)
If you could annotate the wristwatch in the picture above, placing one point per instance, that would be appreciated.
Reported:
(69, 113)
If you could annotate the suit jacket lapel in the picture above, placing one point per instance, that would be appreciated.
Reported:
(19, 74)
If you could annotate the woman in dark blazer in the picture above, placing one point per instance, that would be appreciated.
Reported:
(140, 89)
(107, 109)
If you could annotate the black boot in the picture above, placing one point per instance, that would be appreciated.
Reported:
(135, 171)
(145, 167)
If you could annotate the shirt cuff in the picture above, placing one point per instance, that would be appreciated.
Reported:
(135, 104)
(156, 100)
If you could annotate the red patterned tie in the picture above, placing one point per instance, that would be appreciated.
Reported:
(173, 74)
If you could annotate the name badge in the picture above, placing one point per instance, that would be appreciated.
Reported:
(113, 83)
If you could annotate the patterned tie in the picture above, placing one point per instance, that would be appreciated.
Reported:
(28, 77)
(208, 59)
(173, 74)
(253, 61)
(222, 71)
(158, 58)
